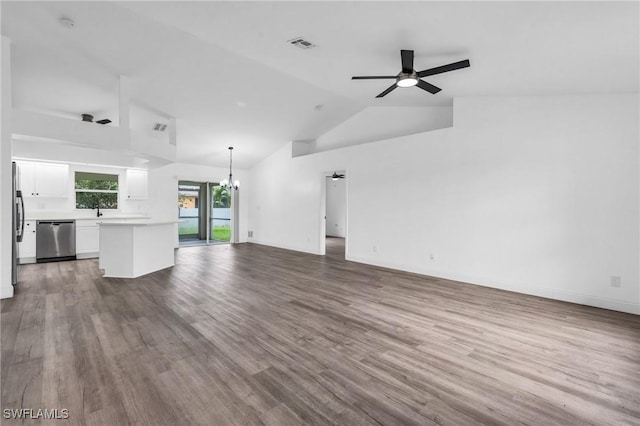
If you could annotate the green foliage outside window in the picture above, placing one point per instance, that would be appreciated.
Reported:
(95, 190)
(221, 197)
(91, 200)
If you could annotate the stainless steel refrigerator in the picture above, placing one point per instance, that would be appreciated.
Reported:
(18, 221)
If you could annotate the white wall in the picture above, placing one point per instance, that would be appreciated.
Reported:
(537, 195)
(336, 208)
(6, 197)
(163, 190)
(376, 123)
(63, 152)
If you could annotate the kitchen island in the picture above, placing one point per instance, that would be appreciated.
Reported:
(87, 232)
(129, 249)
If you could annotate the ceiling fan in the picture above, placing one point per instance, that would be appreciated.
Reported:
(336, 176)
(410, 77)
(89, 119)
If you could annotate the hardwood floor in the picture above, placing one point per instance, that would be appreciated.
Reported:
(248, 334)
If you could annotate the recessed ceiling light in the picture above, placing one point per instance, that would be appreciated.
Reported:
(241, 104)
(318, 107)
(67, 22)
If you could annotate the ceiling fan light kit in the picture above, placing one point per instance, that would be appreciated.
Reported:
(409, 77)
(407, 81)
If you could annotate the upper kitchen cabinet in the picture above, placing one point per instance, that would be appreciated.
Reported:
(44, 179)
(136, 184)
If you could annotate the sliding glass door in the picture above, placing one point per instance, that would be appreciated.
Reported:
(204, 213)
(192, 211)
(220, 214)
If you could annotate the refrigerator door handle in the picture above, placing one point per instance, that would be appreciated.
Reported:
(20, 216)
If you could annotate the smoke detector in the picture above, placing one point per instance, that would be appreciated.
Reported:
(301, 43)
(159, 127)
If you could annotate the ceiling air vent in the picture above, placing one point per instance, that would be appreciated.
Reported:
(159, 127)
(301, 43)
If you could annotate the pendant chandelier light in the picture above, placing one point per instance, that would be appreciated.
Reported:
(230, 183)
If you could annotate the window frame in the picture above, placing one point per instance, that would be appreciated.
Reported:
(96, 191)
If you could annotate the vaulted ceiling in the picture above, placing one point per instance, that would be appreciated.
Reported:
(227, 72)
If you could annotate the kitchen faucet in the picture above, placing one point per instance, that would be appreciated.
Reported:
(98, 214)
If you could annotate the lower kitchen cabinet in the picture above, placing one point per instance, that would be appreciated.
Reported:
(87, 239)
(27, 248)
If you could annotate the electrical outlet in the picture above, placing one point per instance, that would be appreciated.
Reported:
(431, 256)
(616, 281)
(375, 248)
(250, 234)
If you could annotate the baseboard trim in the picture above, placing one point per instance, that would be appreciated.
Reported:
(546, 292)
(284, 246)
(87, 255)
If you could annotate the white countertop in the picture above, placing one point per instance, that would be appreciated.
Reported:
(80, 216)
(148, 222)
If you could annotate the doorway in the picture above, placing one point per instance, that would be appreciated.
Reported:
(204, 213)
(335, 214)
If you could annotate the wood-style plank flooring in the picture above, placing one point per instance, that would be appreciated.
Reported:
(248, 334)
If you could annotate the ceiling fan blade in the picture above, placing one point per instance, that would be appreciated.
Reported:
(407, 61)
(372, 77)
(444, 68)
(386, 92)
(428, 87)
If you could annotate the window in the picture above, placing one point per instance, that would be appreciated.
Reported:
(96, 190)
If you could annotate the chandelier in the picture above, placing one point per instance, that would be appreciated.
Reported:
(230, 183)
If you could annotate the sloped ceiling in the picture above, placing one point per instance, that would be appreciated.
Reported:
(226, 71)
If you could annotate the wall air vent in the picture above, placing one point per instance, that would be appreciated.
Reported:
(301, 43)
(159, 127)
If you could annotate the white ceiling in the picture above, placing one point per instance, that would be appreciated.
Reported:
(225, 71)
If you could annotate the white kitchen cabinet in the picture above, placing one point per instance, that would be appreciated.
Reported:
(52, 180)
(44, 179)
(136, 184)
(27, 178)
(87, 238)
(27, 248)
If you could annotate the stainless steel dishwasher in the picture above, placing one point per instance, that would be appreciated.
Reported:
(55, 240)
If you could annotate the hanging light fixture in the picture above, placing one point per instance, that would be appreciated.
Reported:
(230, 183)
